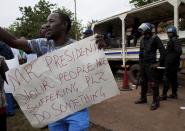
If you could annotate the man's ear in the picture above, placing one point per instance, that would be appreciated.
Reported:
(64, 25)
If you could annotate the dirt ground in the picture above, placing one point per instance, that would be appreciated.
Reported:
(121, 114)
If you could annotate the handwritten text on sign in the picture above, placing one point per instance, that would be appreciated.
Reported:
(62, 82)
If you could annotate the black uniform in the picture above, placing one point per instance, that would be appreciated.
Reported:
(172, 62)
(148, 58)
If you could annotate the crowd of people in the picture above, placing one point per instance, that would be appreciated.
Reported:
(55, 34)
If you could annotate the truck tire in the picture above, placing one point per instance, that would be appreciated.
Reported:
(133, 73)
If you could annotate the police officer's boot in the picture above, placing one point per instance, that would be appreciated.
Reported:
(143, 98)
(173, 96)
(174, 89)
(163, 97)
(165, 88)
(155, 103)
(141, 101)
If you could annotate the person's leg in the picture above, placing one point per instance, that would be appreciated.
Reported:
(152, 75)
(174, 83)
(3, 123)
(10, 108)
(58, 126)
(165, 85)
(144, 86)
(78, 121)
(75, 127)
(149, 91)
(156, 99)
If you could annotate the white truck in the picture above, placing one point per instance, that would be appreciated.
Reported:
(121, 56)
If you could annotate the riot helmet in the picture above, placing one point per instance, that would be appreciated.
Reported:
(172, 29)
(145, 27)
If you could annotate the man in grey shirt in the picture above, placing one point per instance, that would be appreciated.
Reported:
(58, 27)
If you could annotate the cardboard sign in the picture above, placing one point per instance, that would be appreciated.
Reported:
(62, 82)
(31, 57)
(12, 63)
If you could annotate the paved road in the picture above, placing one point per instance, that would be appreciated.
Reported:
(121, 114)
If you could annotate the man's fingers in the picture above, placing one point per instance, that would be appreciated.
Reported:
(100, 41)
(102, 46)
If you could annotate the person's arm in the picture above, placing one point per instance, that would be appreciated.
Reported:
(177, 46)
(12, 41)
(161, 51)
(141, 52)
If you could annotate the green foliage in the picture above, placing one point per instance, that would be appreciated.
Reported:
(89, 24)
(138, 3)
(33, 17)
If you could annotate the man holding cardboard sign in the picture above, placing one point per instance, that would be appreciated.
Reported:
(62, 82)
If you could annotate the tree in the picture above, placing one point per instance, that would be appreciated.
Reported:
(32, 18)
(89, 24)
(138, 3)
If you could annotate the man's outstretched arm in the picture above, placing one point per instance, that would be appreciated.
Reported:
(12, 41)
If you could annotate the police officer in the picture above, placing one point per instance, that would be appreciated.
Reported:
(172, 62)
(148, 64)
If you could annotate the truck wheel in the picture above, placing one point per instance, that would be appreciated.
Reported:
(133, 73)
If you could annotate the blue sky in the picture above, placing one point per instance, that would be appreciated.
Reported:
(86, 9)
